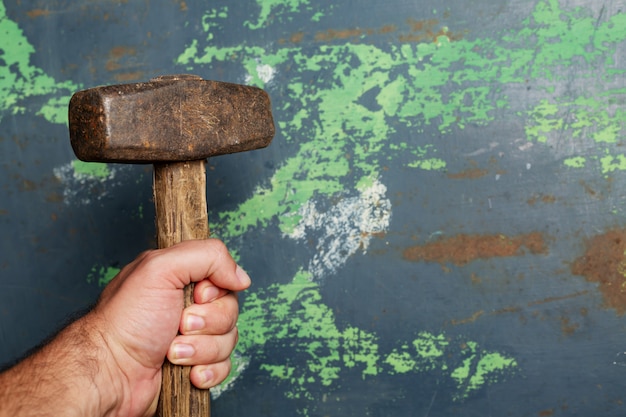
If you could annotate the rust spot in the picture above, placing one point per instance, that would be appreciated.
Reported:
(27, 185)
(331, 34)
(588, 188)
(427, 31)
(462, 249)
(470, 319)
(54, 198)
(546, 413)
(507, 310)
(118, 52)
(546, 199)
(129, 76)
(387, 29)
(604, 262)
(116, 55)
(297, 37)
(35, 13)
(553, 299)
(426, 25)
(519, 308)
(567, 327)
(471, 174)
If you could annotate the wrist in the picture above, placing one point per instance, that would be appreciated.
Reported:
(93, 385)
(109, 385)
(70, 376)
(126, 387)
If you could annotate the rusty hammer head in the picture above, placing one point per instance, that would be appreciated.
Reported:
(170, 118)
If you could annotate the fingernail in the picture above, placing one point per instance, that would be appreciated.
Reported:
(193, 322)
(210, 294)
(207, 376)
(243, 276)
(183, 351)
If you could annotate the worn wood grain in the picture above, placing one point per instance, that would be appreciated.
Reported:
(181, 214)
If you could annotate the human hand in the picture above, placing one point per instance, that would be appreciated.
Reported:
(108, 363)
(141, 312)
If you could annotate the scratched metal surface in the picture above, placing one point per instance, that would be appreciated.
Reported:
(437, 229)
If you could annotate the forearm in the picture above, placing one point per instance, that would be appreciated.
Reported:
(67, 377)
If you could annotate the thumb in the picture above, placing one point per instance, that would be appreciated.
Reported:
(197, 260)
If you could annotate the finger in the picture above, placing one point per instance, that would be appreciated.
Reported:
(214, 318)
(202, 350)
(195, 260)
(207, 376)
(205, 292)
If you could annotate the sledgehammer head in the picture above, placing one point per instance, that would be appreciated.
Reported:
(170, 118)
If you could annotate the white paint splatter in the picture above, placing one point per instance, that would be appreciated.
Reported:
(238, 364)
(344, 229)
(481, 151)
(525, 147)
(83, 189)
(264, 72)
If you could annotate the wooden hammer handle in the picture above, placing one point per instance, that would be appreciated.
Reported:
(181, 214)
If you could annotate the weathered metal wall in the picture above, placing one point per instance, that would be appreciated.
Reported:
(438, 228)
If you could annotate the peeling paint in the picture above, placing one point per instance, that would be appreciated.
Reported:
(20, 80)
(340, 142)
(85, 182)
(90, 169)
(344, 229)
(462, 249)
(604, 263)
(295, 315)
(276, 10)
(102, 275)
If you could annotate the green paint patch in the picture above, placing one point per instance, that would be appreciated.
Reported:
(20, 80)
(102, 275)
(294, 315)
(611, 163)
(343, 135)
(277, 11)
(444, 84)
(432, 164)
(424, 354)
(592, 118)
(562, 40)
(343, 128)
(575, 162)
(479, 368)
(91, 169)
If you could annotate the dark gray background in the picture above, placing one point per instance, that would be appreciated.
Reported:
(49, 247)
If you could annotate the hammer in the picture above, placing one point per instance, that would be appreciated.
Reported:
(175, 122)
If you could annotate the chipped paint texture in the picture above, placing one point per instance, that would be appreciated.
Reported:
(340, 142)
(446, 84)
(344, 229)
(283, 9)
(19, 80)
(294, 315)
(102, 275)
(84, 183)
(345, 111)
